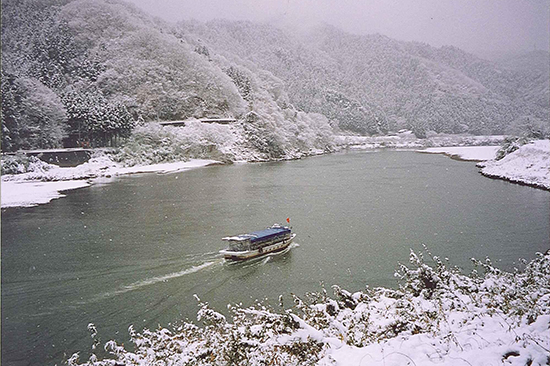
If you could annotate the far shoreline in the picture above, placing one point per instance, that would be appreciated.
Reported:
(61, 180)
(40, 192)
(527, 166)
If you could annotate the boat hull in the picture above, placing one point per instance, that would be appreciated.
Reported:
(249, 254)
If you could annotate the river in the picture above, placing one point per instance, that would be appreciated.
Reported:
(136, 249)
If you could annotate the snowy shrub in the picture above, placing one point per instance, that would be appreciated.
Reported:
(486, 317)
(20, 163)
(510, 145)
(268, 134)
(14, 164)
(530, 127)
(152, 143)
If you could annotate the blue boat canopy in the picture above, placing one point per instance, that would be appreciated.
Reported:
(261, 235)
(265, 234)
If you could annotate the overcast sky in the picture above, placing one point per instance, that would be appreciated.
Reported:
(485, 27)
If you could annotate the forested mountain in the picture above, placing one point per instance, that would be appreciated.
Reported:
(91, 70)
(372, 83)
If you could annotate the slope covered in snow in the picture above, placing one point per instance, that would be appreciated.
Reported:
(530, 165)
(372, 83)
(89, 71)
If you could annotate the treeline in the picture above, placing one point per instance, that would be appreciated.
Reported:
(86, 72)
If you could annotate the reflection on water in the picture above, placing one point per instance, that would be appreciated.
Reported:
(136, 250)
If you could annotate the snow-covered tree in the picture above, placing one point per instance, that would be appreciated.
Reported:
(32, 115)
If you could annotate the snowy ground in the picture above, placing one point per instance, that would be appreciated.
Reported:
(32, 193)
(530, 164)
(475, 153)
(40, 187)
(486, 341)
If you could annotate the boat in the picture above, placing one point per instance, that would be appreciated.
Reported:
(274, 239)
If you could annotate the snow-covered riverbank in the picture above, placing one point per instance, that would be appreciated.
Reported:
(42, 186)
(473, 153)
(33, 193)
(407, 140)
(437, 316)
(529, 165)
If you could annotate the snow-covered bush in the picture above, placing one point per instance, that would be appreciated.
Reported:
(268, 133)
(510, 145)
(437, 313)
(530, 127)
(152, 143)
(20, 163)
(14, 164)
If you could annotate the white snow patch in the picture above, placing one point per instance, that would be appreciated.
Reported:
(165, 167)
(28, 194)
(34, 188)
(530, 164)
(487, 342)
(475, 153)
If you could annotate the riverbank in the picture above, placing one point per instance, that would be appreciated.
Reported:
(407, 140)
(438, 315)
(529, 165)
(468, 153)
(43, 185)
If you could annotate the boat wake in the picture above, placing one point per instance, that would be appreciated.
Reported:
(153, 280)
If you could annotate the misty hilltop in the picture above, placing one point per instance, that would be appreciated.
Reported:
(373, 83)
(96, 69)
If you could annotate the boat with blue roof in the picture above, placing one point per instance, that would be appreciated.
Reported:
(274, 239)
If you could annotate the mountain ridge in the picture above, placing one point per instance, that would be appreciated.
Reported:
(103, 66)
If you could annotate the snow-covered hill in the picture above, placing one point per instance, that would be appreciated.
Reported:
(530, 165)
(89, 71)
(372, 83)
